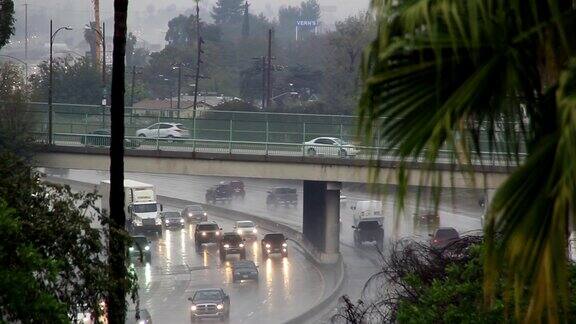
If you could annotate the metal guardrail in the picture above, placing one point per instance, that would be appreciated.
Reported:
(344, 152)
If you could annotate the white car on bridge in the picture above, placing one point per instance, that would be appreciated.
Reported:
(329, 146)
(164, 130)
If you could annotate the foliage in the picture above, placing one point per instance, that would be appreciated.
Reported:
(51, 256)
(459, 74)
(6, 21)
(421, 284)
(228, 11)
(135, 56)
(90, 36)
(75, 81)
(14, 124)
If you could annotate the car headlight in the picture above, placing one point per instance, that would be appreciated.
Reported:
(284, 250)
(267, 245)
(131, 249)
(205, 214)
(217, 233)
(147, 248)
(142, 322)
(226, 246)
(284, 244)
(190, 214)
(182, 221)
(138, 222)
(239, 232)
(167, 221)
(254, 231)
(203, 233)
(158, 221)
(219, 306)
(193, 308)
(241, 245)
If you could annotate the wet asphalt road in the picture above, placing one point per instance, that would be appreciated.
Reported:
(165, 295)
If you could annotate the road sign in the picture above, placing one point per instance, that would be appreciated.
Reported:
(307, 23)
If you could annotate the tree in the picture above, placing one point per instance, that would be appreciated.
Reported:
(6, 21)
(459, 74)
(310, 10)
(52, 259)
(135, 56)
(90, 37)
(228, 11)
(75, 81)
(287, 17)
(119, 280)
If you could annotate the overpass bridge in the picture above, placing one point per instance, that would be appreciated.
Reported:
(254, 145)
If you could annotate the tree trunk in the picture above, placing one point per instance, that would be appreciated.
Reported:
(116, 299)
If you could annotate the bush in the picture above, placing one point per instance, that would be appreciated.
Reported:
(419, 284)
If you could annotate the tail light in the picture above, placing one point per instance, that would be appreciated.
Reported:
(178, 130)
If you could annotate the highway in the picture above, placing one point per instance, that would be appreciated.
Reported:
(165, 292)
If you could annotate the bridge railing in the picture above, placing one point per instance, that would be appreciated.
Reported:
(232, 132)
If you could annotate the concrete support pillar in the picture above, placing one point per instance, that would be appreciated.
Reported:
(321, 218)
(332, 215)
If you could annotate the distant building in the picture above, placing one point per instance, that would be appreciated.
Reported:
(168, 107)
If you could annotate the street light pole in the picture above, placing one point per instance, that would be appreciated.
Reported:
(51, 80)
(179, 87)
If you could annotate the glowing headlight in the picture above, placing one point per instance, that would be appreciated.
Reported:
(141, 322)
(284, 244)
(190, 214)
(167, 221)
(147, 248)
(193, 308)
(158, 221)
(239, 232)
(203, 233)
(138, 222)
(283, 250)
(226, 246)
(182, 221)
(131, 249)
(205, 214)
(254, 231)
(267, 245)
(219, 306)
(241, 245)
(217, 233)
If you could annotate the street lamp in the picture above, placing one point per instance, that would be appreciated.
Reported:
(25, 67)
(52, 36)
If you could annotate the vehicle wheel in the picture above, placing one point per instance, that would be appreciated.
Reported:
(380, 245)
(311, 152)
(193, 319)
(357, 243)
(342, 153)
(142, 135)
(171, 138)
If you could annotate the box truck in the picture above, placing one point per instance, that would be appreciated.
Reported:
(141, 208)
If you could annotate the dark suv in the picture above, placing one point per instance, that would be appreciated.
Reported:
(281, 196)
(443, 237)
(232, 243)
(206, 232)
(368, 231)
(209, 303)
(140, 248)
(194, 214)
(221, 192)
(274, 243)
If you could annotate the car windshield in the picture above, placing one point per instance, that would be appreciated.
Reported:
(446, 233)
(207, 227)
(274, 237)
(194, 209)
(140, 240)
(370, 225)
(234, 239)
(211, 295)
(171, 215)
(144, 208)
(237, 184)
(245, 224)
(244, 264)
(285, 190)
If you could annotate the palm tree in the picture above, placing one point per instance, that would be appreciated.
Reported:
(478, 76)
(119, 282)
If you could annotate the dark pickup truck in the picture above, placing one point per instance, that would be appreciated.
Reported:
(222, 192)
(368, 231)
(209, 303)
(280, 196)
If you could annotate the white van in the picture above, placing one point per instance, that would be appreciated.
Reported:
(367, 210)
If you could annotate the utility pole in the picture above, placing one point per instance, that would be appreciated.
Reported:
(26, 31)
(179, 88)
(132, 87)
(198, 59)
(269, 72)
(263, 82)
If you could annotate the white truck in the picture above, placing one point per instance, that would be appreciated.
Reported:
(140, 205)
(365, 210)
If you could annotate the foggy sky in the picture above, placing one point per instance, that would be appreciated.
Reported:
(149, 18)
